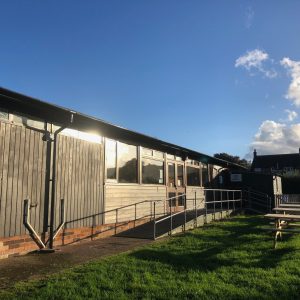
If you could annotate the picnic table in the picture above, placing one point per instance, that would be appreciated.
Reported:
(287, 209)
(282, 222)
(290, 205)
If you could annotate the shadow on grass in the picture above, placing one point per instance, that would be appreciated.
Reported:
(234, 243)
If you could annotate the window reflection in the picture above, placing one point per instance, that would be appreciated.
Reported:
(127, 163)
(111, 155)
(193, 177)
(152, 171)
(179, 175)
(171, 174)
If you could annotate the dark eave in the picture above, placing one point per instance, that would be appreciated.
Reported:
(18, 103)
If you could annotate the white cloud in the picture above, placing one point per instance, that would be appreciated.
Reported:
(291, 115)
(293, 68)
(249, 17)
(274, 138)
(254, 60)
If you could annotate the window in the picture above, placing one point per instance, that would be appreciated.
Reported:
(193, 178)
(171, 174)
(111, 159)
(205, 178)
(152, 171)
(127, 163)
(3, 115)
(180, 175)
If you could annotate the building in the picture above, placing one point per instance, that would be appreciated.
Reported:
(101, 174)
(280, 164)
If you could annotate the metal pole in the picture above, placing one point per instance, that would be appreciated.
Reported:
(214, 196)
(205, 203)
(116, 221)
(196, 209)
(233, 200)
(221, 201)
(184, 212)
(134, 213)
(171, 218)
(154, 221)
(228, 199)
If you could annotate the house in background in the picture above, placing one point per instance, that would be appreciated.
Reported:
(280, 164)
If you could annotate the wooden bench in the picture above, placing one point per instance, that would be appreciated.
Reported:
(287, 209)
(289, 205)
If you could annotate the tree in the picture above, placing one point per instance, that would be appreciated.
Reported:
(234, 159)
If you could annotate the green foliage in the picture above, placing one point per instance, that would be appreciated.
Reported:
(226, 260)
(233, 159)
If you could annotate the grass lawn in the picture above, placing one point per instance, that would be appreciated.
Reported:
(225, 260)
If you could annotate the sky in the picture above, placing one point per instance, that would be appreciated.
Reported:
(213, 76)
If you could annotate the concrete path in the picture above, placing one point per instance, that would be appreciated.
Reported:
(35, 266)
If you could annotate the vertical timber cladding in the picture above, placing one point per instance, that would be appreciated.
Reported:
(79, 181)
(191, 191)
(22, 175)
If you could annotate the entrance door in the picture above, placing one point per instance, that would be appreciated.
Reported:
(176, 186)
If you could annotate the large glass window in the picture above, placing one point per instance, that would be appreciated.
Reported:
(152, 171)
(205, 178)
(179, 175)
(193, 177)
(127, 163)
(111, 159)
(171, 174)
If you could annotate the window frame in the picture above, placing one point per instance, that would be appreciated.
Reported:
(138, 160)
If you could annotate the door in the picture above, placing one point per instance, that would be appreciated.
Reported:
(176, 185)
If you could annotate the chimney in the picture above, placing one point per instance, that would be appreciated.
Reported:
(255, 153)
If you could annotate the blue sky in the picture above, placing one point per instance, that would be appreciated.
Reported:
(214, 76)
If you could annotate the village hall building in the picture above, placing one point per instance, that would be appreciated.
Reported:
(55, 161)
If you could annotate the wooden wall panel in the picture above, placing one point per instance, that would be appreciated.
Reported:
(122, 195)
(22, 173)
(190, 195)
(79, 181)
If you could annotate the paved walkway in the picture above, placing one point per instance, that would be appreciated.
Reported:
(34, 266)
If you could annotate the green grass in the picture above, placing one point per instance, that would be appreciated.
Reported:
(226, 260)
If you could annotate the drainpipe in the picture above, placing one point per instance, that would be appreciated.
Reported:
(53, 180)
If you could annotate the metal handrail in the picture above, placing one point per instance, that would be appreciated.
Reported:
(196, 206)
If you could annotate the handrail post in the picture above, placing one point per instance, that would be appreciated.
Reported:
(116, 220)
(205, 203)
(171, 220)
(134, 213)
(184, 212)
(228, 200)
(154, 221)
(221, 194)
(196, 209)
(214, 197)
(233, 200)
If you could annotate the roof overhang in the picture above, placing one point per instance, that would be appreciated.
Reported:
(17, 103)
